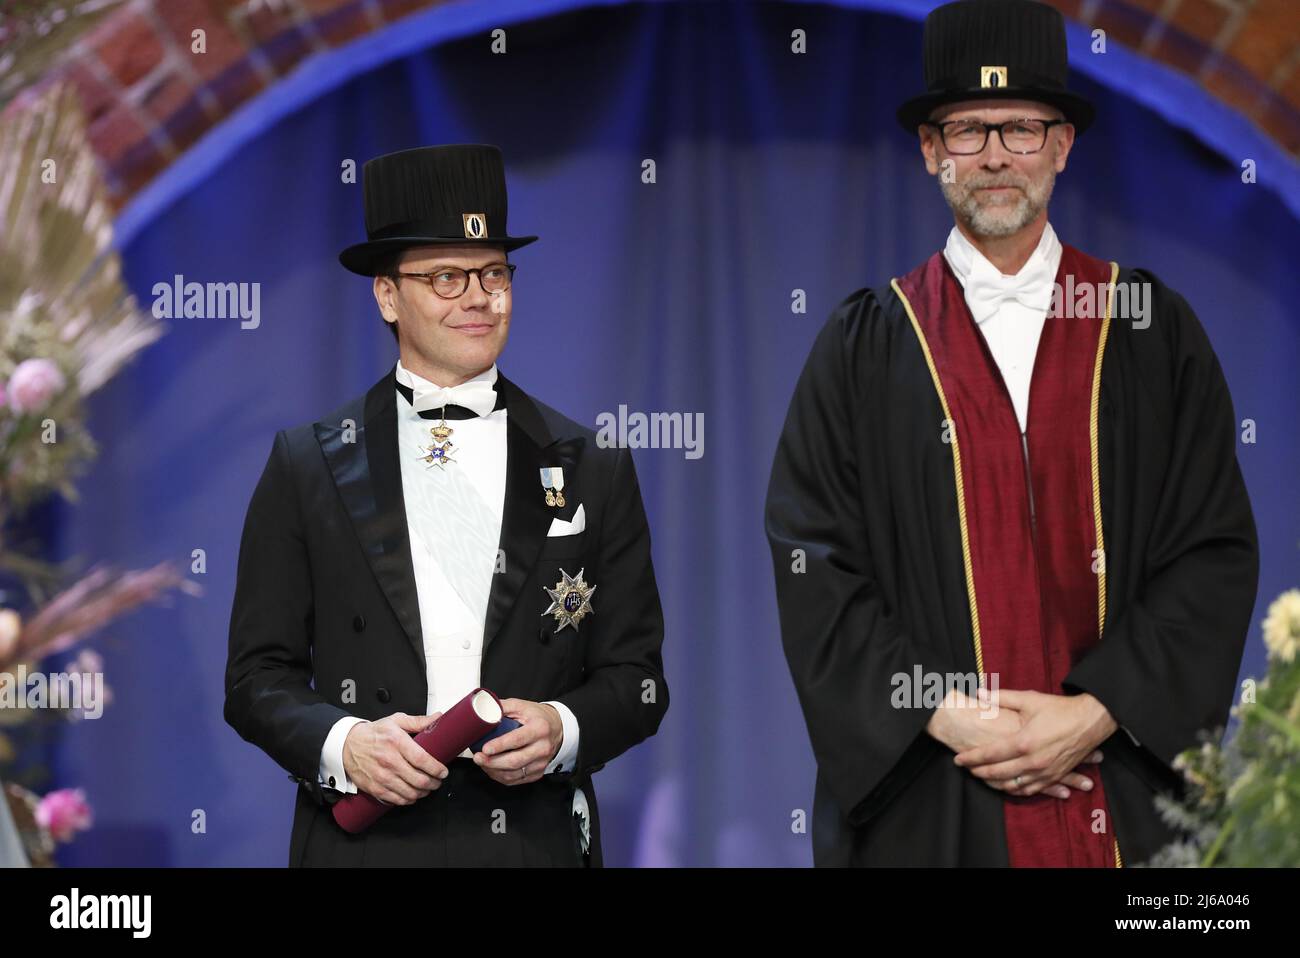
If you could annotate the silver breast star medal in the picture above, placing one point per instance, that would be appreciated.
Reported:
(553, 483)
(570, 600)
(438, 453)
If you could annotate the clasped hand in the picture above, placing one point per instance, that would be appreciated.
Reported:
(1022, 742)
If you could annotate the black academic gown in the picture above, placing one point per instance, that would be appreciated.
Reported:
(863, 484)
(325, 593)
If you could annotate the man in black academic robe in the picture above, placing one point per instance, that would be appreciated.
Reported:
(870, 536)
(329, 632)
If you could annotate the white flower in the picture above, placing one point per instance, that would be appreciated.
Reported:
(1282, 626)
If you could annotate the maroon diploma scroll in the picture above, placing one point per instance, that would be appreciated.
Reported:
(451, 733)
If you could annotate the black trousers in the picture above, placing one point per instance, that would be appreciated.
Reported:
(470, 821)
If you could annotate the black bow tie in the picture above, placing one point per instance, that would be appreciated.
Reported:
(451, 411)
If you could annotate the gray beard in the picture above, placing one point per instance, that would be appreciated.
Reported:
(1001, 220)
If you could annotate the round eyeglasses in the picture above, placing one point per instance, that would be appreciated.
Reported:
(450, 282)
(968, 137)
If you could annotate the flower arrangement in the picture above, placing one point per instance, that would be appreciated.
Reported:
(1242, 807)
(67, 325)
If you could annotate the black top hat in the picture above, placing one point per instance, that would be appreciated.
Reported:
(995, 49)
(432, 195)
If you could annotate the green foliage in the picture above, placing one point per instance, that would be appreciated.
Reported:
(1242, 807)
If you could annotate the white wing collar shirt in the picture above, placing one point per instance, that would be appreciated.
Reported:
(453, 517)
(1009, 310)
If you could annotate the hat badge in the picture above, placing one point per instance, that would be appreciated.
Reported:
(993, 77)
(475, 225)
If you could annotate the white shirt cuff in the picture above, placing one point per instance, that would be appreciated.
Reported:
(332, 774)
(568, 753)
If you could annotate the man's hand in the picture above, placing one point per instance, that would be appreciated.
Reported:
(963, 724)
(1059, 732)
(522, 755)
(383, 761)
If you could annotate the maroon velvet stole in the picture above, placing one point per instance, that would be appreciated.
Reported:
(1035, 585)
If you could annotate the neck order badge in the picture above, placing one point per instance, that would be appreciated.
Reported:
(439, 451)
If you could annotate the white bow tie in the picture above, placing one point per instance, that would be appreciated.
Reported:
(985, 294)
(476, 395)
(987, 289)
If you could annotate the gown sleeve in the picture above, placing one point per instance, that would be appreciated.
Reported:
(842, 641)
(1166, 667)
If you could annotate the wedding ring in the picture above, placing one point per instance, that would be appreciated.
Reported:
(1016, 781)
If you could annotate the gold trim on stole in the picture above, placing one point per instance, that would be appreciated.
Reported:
(1096, 473)
(961, 491)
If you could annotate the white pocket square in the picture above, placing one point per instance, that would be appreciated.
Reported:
(578, 523)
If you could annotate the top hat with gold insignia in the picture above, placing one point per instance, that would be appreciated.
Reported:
(432, 195)
(995, 49)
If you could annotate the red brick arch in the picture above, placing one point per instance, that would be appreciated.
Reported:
(148, 97)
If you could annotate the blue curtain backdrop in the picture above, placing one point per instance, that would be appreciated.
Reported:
(774, 172)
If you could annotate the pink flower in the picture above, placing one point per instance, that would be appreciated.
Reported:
(63, 813)
(11, 627)
(34, 383)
